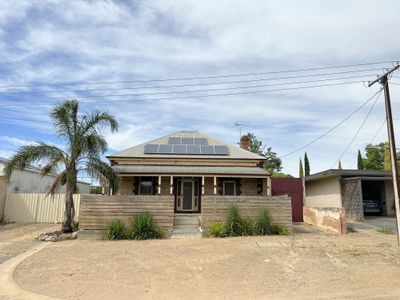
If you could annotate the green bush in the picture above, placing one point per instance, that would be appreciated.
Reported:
(217, 229)
(279, 229)
(116, 230)
(233, 221)
(247, 227)
(264, 222)
(385, 230)
(144, 228)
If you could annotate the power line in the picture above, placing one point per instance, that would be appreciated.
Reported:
(331, 129)
(215, 89)
(358, 131)
(197, 78)
(201, 84)
(196, 96)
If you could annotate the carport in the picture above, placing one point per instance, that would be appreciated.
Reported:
(359, 192)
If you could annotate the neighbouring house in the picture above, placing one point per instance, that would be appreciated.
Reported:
(359, 192)
(29, 181)
(189, 165)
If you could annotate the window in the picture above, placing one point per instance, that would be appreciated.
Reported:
(146, 186)
(229, 188)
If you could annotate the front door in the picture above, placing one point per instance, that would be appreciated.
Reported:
(187, 199)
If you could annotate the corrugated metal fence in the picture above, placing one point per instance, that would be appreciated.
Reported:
(37, 208)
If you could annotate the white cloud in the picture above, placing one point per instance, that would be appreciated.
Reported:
(73, 41)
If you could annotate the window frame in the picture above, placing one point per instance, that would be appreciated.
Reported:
(234, 187)
(147, 180)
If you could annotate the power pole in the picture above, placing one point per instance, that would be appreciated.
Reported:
(392, 144)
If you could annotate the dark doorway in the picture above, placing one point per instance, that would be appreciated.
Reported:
(373, 194)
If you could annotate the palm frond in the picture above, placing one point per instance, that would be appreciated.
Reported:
(93, 145)
(30, 154)
(97, 121)
(61, 179)
(64, 117)
(100, 170)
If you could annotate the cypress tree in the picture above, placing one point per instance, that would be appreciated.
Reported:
(360, 162)
(301, 173)
(387, 164)
(340, 165)
(306, 165)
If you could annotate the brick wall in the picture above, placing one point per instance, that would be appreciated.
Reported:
(215, 208)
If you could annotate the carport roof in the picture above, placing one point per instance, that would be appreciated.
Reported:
(349, 173)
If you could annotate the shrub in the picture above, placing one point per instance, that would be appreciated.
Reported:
(116, 230)
(247, 227)
(264, 222)
(144, 228)
(386, 230)
(217, 229)
(233, 221)
(279, 229)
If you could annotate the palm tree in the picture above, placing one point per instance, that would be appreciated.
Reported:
(84, 146)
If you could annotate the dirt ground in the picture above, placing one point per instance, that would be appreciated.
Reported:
(15, 238)
(362, 265)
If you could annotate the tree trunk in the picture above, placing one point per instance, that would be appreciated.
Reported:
(69, 202)
(69, 211)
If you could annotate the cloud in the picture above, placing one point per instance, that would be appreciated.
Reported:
(75, 41)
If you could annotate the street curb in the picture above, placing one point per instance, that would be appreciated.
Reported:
(9, 289)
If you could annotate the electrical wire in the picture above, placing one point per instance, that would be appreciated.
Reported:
(333, 128)
(215, 89)
(197, 78)
(358, 131)
(194, 97)
(201, 84)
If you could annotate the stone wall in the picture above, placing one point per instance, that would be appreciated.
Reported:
(352, 199)
(329, 218)
(215, 208)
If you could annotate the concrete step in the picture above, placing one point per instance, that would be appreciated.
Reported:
(194, 230)
(186, 236)
(186, 220)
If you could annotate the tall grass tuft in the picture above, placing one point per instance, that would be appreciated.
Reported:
(247, 227)
(217, 229)
(143, 227)
(233, 221)
(264, 222)
(116, 230)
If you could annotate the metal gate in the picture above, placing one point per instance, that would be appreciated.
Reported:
(293, 187)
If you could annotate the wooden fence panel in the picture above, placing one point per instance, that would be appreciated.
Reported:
(97, 211)
(37, 208)
(215, 208)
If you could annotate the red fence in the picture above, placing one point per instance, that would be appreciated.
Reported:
(293, 187)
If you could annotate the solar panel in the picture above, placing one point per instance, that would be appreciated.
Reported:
(201, 141)
(207, 150)
(151, 148)
(193, 149)
(174, 140)
(187, 141)
(179, 149)
(221, 150)
(165, 149)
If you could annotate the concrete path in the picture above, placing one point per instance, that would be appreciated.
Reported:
(9, 289)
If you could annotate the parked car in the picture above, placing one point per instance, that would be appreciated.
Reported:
(372, 206)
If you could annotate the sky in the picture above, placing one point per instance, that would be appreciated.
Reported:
(121, 56)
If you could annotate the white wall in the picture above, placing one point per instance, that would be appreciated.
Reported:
(323, 193)
(26, 181)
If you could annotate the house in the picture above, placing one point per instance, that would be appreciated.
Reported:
(359, 192)
(186, 180)
(190, 165)
(29, 181)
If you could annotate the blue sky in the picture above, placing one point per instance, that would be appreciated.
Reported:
(50, 42)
